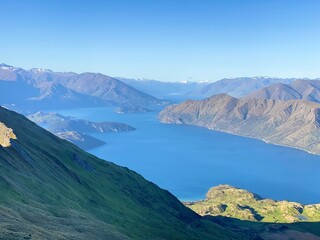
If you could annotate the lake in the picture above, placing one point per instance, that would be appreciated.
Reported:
(188, 160)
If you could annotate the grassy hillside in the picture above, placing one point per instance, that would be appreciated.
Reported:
(50, 189)
(228, 201)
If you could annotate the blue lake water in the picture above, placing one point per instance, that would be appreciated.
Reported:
(188, 160)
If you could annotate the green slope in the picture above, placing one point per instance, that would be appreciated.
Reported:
(228, 201)
(50, 189)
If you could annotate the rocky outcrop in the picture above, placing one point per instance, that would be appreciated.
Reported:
(6, 134)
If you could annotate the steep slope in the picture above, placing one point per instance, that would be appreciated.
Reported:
(290, 123)
(236, 87)
(225, 200)
(50, 189)
(308, 90)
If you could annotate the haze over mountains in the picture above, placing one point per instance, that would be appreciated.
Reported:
(77, 130)
(41, 88)
(236, 87)
(293, 123)
(165, 90)
(308, 90)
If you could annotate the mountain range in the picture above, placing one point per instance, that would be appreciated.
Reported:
(164, 90)
(43, 89)
(308, 90)
(292, 123)
(236, 87)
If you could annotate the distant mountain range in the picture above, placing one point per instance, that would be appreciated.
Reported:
(308, 90)
(293, 123)
(164, 90)
(236, 87)
(40, 89)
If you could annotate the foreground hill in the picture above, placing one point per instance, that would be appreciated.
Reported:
(50, 189)
(291, 123)
(308, 90)
(43, 88)
(225, 200)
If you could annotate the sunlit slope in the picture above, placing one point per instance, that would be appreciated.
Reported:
(50, 189)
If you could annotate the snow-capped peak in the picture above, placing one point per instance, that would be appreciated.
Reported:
(4, 66)
(39, 70)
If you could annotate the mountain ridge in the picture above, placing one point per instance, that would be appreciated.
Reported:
(308, 90)
(80, 89)
(293, 123)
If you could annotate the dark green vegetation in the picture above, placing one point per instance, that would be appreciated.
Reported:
(228, 201)
(50, 189)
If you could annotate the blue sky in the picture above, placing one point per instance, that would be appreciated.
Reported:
(169, 40)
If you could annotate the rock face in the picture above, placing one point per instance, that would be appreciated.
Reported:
(308, 90)
(225, 200)
(6, 134)
(292, 123)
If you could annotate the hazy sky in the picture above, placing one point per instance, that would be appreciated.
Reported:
(168, 40)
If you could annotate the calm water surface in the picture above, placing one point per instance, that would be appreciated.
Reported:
(188, 160)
